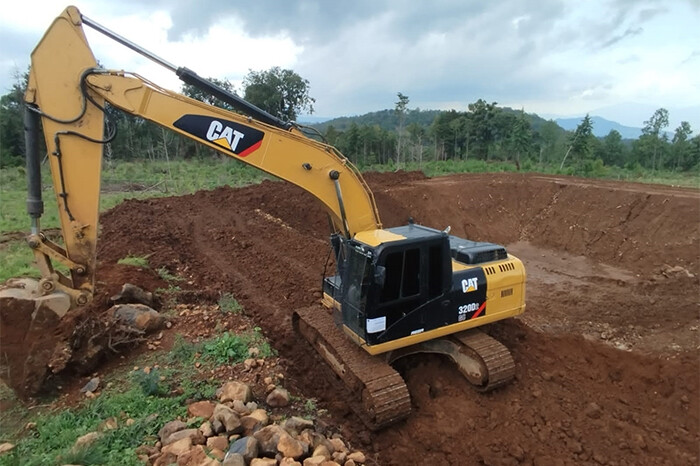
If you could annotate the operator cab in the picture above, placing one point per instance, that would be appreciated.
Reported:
(400, 282)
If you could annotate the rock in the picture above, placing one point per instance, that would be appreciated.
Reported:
(357, 457)
(322, 450)
(196, 457)
(203, 409)
(178, 448)
(256, 420)
(232, 391)
(338, 444)
(263, 462)
(218, 454)
(330, 463)
(108, 424)
(194, 435)
(220, 443)
(130, 422)
(349, 463)
(268, 437)
(296, 424)
(166, 459)
(250, 425)
(246, 447)
(228, 418)
(279, 397)
(206, 429)
(91, 386)
(291, 447)
(133, 294)
(146, 450)
(593, 410)
(516, 452)
(138, 316)
(233, 460)
(340, 457)
(5, 447)
(289, 462)
(314, 461)
(86, 440)
(240, 407)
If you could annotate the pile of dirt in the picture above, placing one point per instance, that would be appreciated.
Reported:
(606, 353)
(598, 248)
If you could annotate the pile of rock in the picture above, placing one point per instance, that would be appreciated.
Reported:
(236, 432)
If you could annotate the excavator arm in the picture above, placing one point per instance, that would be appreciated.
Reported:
(67, 91)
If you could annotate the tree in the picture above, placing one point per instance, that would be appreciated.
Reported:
(653, 128)
(612, 150)
(580, 144)
(400, 111)
(282, 93)
(196, 93)
(520, 137)
(11, 123)
(680, 143)
(483, 132)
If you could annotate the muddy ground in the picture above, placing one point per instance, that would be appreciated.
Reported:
(607, 351)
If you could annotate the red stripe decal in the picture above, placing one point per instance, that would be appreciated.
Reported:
(478, 311)
(251, 149)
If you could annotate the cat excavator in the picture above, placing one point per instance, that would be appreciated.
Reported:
(395, 291)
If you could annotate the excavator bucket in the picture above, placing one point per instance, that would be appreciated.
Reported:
(29, 324)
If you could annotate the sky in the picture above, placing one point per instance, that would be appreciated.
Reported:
(619, 59)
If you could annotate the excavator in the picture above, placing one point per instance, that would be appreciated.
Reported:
(395, 291)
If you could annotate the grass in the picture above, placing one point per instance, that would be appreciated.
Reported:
(147, 397)
(227, 303)
(165, 274)
(134, 261)
(230, 348)
(136, 395)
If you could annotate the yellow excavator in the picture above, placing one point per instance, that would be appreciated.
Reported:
(395, 291)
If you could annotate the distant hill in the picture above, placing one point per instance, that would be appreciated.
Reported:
(385, 119)
(601, 127)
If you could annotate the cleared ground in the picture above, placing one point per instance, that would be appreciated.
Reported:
(607, 351)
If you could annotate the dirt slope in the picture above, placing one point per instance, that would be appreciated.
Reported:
(610, 265)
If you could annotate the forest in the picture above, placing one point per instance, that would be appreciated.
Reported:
(402, 135)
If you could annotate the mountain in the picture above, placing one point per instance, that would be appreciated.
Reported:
(601, 127)
(385, 119)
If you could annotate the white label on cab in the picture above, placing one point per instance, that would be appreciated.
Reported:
(376, 325)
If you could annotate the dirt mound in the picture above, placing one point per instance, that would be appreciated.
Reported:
(611, 268)
(598, 256)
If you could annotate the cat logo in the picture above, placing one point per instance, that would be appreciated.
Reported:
(230, 136)
(470, 284)
(224, 136)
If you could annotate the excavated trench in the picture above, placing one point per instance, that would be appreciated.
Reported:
(606, 353)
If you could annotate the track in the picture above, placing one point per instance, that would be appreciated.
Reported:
(610, 266)
(380, 395)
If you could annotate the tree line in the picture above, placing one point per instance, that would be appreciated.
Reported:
(400, 135)
(491, 133)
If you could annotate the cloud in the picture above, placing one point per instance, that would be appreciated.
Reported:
(628, 33)
(693, 56)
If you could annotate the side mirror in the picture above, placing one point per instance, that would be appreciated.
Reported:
(380, 275)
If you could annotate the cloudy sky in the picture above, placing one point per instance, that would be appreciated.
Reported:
(619, 59)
